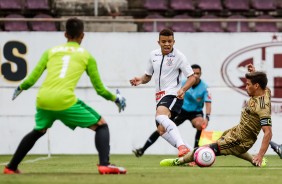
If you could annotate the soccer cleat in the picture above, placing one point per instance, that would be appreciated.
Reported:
(111, 169)
(182, 150)
(138, 152)
(264, 162)
(10, 171)
(277, 148)
(171, 162)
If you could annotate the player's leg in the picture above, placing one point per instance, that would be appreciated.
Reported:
(245, 156)
(198, 122)
(189, 157)
(84, 116)
(44, 120)
(166, 127)
(149, 142)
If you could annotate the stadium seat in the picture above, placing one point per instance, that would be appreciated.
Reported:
(149, 26)
(279, 4)
(210, 26)
(185, 5)
(236, 5)
(263, 5)
(43, 25)
(156, 5)
(233, 26)
(265, 26)
(15, 25)
(37, 4)
(210, 5)
(11, 4)
(183, 26)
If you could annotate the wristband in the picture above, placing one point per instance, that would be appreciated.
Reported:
(208, 117)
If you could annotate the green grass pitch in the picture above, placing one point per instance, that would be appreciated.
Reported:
(81, 169)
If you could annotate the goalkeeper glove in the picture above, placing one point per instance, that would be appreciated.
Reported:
(17, 91)
(120, 101)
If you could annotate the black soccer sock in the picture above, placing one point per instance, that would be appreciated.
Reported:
(155, 135)
(102, 142)
(24, 147)
(197, 138)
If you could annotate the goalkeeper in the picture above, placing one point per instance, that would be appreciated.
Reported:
(56, 99)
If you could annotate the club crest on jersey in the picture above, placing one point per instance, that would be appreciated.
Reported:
(169, 61)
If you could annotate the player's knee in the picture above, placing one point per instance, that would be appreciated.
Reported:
(160, 129)
(198, 124)
(103, 126)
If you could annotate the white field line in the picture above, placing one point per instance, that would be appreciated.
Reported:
(30, 161)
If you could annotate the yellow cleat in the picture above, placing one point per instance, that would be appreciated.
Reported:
(264, 162)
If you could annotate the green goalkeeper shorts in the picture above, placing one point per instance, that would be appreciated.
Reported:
(78, 115)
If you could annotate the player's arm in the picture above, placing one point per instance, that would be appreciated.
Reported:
(33, 76)
(189, 83)
(36, 72)
(267, 130)
(208, 110)
(140, 80)
(97, 83)
(208, 99)
(251, 68)
(93, 73)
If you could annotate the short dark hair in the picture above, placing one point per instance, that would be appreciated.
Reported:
(74, 27)
(195, 66)
(257, 77)
(166, 32)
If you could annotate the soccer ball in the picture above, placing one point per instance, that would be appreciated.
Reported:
(204, 156)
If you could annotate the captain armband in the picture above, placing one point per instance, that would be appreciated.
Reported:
(265, 122)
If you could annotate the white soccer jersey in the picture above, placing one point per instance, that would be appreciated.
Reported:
(167, 70)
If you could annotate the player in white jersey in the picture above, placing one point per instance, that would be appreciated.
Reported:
(167, 64)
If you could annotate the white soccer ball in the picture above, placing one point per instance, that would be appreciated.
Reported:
(204, 156)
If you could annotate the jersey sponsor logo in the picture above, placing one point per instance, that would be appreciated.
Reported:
(265, 57)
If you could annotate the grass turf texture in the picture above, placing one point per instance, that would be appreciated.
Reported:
(82, 169)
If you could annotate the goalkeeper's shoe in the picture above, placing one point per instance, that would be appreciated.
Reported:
(111, 169)
(277, 148)
(10, 171)
(182, 150)
(138, 152)
(171, 162)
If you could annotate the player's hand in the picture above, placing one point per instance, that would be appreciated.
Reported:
(257, 160)
(17, 91)
(135, 81)
(251, 68)
(120, 101)
(180, 94)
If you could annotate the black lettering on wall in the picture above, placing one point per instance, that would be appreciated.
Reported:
(10, 54)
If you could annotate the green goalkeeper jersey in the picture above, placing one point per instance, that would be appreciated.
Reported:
(65, 65)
